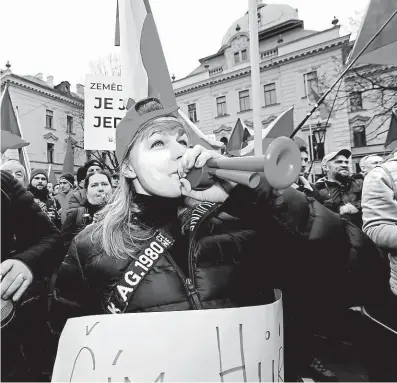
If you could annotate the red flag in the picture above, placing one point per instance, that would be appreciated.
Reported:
(68, 163)
(11, 135)
(283, 125)
(51, 175)
(391, 140)
(11, 141)
(383, 49)
(236, 139)
(144, 70)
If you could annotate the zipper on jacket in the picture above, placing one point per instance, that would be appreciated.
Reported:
(187, 283)
(190, 281)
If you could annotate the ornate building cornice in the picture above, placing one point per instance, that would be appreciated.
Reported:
(41, 89)
(275, 61)
(51, 136)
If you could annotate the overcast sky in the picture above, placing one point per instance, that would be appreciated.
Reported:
(61, 37)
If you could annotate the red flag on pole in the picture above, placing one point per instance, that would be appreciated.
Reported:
(11, 135)
(236, 139)
(144, 70)
(51, 175)
(283, 125)
(383, 49)
(391, 140)
(68, 163)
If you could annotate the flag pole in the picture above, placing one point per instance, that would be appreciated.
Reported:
(321, 100)
(255, 75)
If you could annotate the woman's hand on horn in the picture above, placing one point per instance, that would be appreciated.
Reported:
(198, 157)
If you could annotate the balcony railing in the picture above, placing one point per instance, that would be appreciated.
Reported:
(270, 53)
(216, 71)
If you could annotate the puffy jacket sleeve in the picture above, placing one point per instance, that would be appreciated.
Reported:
(37, 238)
(75, 201)
(312, 241)
(71, 285)
(69, 230)
(380, 210)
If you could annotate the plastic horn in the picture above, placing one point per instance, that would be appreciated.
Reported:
(281, 166)
(202, 178)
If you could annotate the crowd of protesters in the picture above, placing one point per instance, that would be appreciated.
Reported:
(338, 237)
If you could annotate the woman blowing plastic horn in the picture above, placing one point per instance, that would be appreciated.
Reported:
(159, 246)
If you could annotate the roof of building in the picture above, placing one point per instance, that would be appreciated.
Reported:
(269, 15)
(29, 79)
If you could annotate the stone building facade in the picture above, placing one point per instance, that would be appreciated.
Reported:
(294, 63)
(47, 113)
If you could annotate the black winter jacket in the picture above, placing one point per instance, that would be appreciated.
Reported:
(47, 204)
(26, 232)
(256, 242)
(76, 220)
(334, 194)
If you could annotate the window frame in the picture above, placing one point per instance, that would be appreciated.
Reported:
(359, 131)
(307, 82)
(244, 99)
(69, 127)
(222, 105)
(50, 152)
(193, 111)
(49, 117)
(271, 91)
(356, 95)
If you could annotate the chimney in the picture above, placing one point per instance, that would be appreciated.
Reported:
(39, 76)
(80, 90)
(50, 81)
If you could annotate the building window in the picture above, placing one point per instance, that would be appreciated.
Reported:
(356, 101)
(359, 137)
(244, 55)
(48, 119)
(318, 148)
(237, 57)
(311, 85)
(244, 98)
(192, 112)
(69, 124)
(50, 153)
(221, 105)
(270, 94)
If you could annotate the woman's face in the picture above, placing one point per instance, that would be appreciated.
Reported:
(153, 162)
(99, 189)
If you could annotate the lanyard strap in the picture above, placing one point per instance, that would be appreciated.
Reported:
(153, 249)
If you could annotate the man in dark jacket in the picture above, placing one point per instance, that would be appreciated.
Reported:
(48, 204)
(29, 243)
(338, 191)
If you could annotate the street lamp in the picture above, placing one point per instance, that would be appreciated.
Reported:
(319, 138)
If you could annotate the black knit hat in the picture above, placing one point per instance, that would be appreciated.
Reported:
(68, 177)
(90, 163)
(81, 173)
(35, 172)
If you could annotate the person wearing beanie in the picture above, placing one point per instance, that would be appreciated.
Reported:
(92, 166)
(38, 188)
(81, 172)
(79, 197)
(66, 182)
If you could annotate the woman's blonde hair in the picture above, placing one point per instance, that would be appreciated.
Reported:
(119, 230)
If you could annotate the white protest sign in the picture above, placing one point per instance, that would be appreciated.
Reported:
(221, 345)
(103, 110)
